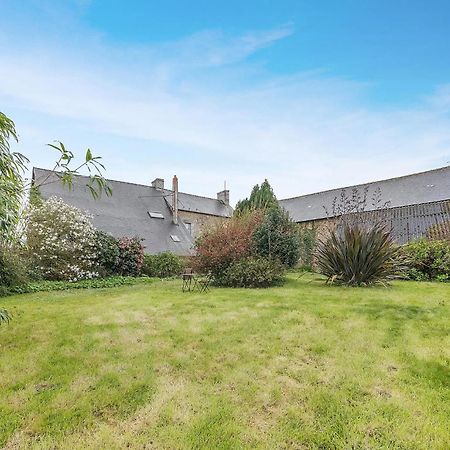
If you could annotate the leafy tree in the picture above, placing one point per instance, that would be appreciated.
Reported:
(13, 185)
(261, 197)
(277, 238)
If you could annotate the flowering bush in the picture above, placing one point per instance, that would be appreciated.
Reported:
(226, 242)
(131, 256)
(61, 241)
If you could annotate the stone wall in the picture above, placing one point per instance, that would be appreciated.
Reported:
(196, 222)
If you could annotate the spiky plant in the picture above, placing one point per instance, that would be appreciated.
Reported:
(4, 316)
(359, 255)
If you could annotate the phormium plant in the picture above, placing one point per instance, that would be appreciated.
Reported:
(359, 255)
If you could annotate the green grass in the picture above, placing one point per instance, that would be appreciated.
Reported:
(302, 366)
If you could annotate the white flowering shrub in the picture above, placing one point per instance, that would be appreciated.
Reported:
(61, 240)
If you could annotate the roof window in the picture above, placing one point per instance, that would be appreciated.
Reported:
(175, 238)
(155, 215)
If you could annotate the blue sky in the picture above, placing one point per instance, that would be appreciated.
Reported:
(311, 95)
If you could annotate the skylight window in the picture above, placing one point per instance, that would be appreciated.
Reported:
(175, 238)
(155, 215)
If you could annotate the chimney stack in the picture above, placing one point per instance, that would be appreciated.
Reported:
(175, 199)
(158, 183)
(224, 197)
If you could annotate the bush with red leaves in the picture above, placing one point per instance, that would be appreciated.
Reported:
(225, 243)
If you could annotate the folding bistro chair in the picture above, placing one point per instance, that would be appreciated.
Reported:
(202, 283)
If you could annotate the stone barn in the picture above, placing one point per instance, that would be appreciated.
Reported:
(412, 206)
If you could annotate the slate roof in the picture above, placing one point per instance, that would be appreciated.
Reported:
(126, 212)
(418, 188)
(203, 205)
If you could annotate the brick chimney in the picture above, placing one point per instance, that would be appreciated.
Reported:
(158, 183)
(175, 200)
(224, 197)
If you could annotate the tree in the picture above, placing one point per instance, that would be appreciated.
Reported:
(261, 197)
(13, 185)
(277, 237)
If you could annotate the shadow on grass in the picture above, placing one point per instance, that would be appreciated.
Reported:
(434, 373)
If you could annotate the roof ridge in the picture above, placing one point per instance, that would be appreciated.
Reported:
(134, 184)
(366, 184)
(196, 195)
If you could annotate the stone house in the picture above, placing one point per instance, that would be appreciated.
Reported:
(166, 219)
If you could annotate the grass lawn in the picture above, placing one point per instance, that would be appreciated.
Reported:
(302, 366)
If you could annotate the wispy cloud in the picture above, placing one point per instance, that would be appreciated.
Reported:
(219, 114)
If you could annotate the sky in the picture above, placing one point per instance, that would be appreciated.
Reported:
(311, 95)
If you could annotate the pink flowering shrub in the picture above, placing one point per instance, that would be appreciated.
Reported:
(61, 241)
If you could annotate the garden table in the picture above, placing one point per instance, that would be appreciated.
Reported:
(188, 280)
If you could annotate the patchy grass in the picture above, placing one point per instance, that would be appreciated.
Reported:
(302, 366)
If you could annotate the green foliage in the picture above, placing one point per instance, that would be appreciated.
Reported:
(163, 265)
(308, 241)
(358, 255)
(261, 197)
(131, 256)
(12, 168)
(13, 268)
(277, 238)
(252, 272)
(95, 283)
(428, 260)
(108, 253)
(4, 316)
(96, 185)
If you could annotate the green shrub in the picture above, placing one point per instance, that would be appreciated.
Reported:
(277, 238)
(108, 253)
(163, 265)
(428, 260)
(131, 256)
(95, 283)
(13, 269)
(252, 272)
(358, 255)
(307, 238)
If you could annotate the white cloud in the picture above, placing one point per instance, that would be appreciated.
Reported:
(220, 116)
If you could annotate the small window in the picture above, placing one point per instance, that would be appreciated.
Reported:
(189, 227)
(155, 215)
(175, 238)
